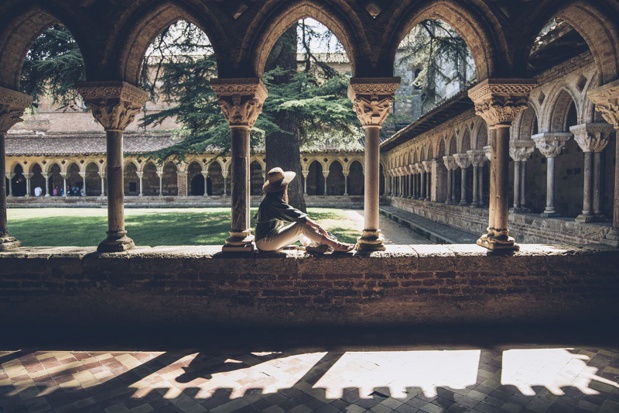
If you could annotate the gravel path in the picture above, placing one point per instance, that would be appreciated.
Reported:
(394, 233)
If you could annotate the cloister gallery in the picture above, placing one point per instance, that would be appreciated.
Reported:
(525, 156)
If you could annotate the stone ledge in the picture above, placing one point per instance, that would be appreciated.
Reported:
(404, 285)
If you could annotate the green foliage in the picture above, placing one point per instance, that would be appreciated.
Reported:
(52, 67)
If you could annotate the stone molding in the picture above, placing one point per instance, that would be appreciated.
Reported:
(462, 159)
(521, 149)
(12, 106)
(550, 144)
(606, 101)
(477, 157)
(372, 98)
(240, 100)
(592, 137)
(113, 104)
(498, 101)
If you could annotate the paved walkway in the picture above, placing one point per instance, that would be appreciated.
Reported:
(415, 379)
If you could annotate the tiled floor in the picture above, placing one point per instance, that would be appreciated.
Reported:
(382, 379)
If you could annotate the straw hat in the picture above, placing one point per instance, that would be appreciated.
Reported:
(276, 179)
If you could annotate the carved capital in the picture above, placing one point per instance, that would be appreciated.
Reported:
(521, 149)
(551, 144)
(12, 106)
(240, 100)
(477, 157)
(372, 98)
(427, 166)
(462, 159)
(606, 100)
(450, 163)
(592, 137)
(488, 152)
(498, 101)
(113, 104)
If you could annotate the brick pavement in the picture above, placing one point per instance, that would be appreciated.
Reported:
(416, 379)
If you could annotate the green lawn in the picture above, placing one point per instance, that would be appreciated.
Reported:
(183, 226)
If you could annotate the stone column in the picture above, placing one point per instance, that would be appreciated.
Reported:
(463, 161)
(140, 177)
(305, 174)
(64, 184)
(159, 173)
(498, 102)
(477, 158)
(449, 163)
(27, 176)
(411, 181)
(427, 168)
(372, 99)
(346, 183)
(520, 150)
(592, 138)
(12, 106)
(550, 145)
(102, 183)
(114, 105)
(241, 102)
(9, 176)
(422, 181)
(205, 175)
(46, 189)
(83, 175)
(606, 100)
(325, 175)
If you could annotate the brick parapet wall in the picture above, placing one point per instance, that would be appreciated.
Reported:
(405, 285)
(526, 228)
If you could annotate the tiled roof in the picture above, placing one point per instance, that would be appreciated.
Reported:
(83, 144)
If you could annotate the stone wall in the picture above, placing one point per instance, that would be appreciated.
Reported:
(526, 228)
(405, 285)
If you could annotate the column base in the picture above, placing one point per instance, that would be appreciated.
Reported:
(612, 238)
(116, 242)
(549, 213)
(474, 205)
(239, 242)
(520, 210)
(498, 241)
(584, 218)
(8, 242)
(370, 240)
(463, 203)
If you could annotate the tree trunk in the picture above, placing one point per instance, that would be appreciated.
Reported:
(284, 149)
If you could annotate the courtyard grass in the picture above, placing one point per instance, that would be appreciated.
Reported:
(84, 227)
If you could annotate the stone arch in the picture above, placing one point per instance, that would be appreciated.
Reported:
(557, 110)
(137, 32)
(37, 179)
(133, 162)
(150, 179)
(55, 180)
(18, 36)
(75, 182)
(441, 148)
(18, 181)
(315, 179)
(262, 35)
(470, 25)
(195, 178)
(93, 180)
(526, 124)
(355, 178)
(465, 144)
(215, 181)
(169, 179)
(453, 144)
(335, 180)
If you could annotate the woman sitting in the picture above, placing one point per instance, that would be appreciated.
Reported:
(280, 224)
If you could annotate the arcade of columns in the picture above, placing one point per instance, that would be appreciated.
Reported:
(500, 96)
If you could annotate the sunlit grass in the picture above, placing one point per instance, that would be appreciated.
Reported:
(148, 227)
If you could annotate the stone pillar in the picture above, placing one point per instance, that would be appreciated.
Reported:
(346, 183)
(550, 145)
(83, 175)
(592, 138)
(411, 181)
(241, 102)
(64, 184)
(422, 181)
(205, 175)
(305, 173)
(372, 99)
(325, 175)
(160, 176)
(114, 105)
(27, 176)
(140, 177)
(427, 168)
(12, 106)
(520, 150)
(606, 101)
(102, 183)
(477, 158)
(46, 189)
(224, 174)
(498, 102)
(463, 161)
(450, 164)
(9, 176)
